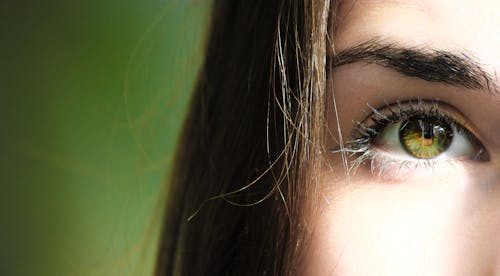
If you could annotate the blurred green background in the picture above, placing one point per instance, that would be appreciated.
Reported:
(92, 96)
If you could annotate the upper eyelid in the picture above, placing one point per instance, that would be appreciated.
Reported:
(440, 107)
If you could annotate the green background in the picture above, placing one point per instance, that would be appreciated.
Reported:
(92, 96)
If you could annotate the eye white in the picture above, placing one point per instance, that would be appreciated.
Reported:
(388, 143)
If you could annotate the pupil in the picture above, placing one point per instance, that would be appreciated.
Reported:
(428, 131)
(425, 137)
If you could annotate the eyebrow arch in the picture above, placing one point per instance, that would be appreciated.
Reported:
(456, 69)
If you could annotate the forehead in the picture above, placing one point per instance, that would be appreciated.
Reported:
(465, 25)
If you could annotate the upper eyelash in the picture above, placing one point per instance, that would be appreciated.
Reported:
(360, 142)
(400, 111)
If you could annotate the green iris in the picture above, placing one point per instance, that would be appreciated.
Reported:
(425, 137)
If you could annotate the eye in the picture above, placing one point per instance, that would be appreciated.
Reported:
(414, 131)
(428, 137)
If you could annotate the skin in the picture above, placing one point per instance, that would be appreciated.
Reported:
(443, 220)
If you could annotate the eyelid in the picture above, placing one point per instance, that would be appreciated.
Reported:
(442, 108)
(454, 114)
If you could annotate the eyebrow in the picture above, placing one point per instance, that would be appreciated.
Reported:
(456, 69)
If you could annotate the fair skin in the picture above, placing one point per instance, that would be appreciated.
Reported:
(438, 219)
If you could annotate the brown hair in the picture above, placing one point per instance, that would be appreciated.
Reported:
(251, 143)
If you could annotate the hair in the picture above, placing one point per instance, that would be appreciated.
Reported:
(252, 142)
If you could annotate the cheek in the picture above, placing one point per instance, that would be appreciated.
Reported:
(440, 223)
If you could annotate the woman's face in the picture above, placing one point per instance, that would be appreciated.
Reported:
(423, 193)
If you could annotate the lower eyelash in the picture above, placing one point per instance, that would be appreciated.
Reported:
(379, 163)
(360, 145)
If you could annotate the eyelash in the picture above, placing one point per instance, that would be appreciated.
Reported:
(360, 145)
